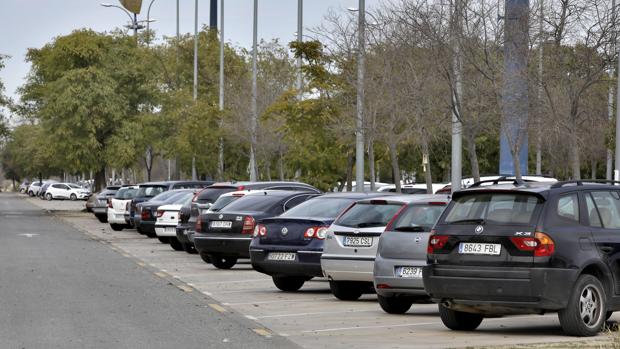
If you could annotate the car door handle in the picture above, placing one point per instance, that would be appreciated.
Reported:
(607, 249)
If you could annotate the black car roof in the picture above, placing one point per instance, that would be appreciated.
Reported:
(540, 188)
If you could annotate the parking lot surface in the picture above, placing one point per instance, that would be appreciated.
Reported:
(312, 317)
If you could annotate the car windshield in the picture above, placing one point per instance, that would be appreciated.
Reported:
(74, 186)
(495, 208)
(368, 214)
(320, 207)
(151, 191)
(211, 194)
(418, 217)
(256, 203)
(126, 193)
(180, 198)
(223, 201)
(163, 196)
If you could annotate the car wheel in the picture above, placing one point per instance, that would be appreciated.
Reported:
(223, 262)
(585, 314)
(395, 305)
(31, 194)
(49, 197)
(163, 239)
(288, 283)
(73, 197)
(152, 234)
(117, 227)
(189, 248)
(102, 219)
(346, 290)
(459, 320)
(175, 244)
(205, 258)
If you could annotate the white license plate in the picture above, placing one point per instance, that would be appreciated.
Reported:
(170, 230)
(480, 248)
(221, 224)
(204, 211)
(410, 272)
(281, 256)
(357, 241)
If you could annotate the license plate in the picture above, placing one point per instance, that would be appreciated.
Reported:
(204, 211)
(357, 241)
(410, 272)
(171, 230)
(221, 224)
(480, 248)
(281, 256)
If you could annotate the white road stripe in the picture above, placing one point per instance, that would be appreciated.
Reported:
(281, 301)
(316, 313)
(369, 327)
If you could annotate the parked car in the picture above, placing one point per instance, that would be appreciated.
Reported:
(44, 187)
(168, 219)
(100, 204)
(117, 207)
(147, 211)
(203, 201)
(351, 243)
(223, 237)
(34, 187)
(23, 187)
(149, 190)
(411, 188)
(289, 247)
(528, 248)
(401, 255)
(66, 191)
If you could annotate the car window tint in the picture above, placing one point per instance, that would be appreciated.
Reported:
(366, 214)
(497, 208)
(151, 191)
(211, 194)
(423, 216)
(295, 201)
(568, 207)
(319, 208)
(258, 203)
(608, 206)
(222, 201)
(593, 216)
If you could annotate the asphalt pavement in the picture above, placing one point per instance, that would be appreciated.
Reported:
(60, 288)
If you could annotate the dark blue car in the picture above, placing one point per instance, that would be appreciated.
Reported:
(289, 247)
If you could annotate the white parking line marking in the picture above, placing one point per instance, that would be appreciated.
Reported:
(315, 313)
(281, 301)
(218, 307)
(369, 327)
(263, 332)
(233, 281)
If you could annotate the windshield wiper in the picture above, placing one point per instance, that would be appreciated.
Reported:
(471, 220)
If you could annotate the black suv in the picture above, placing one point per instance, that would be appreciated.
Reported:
(528, 248)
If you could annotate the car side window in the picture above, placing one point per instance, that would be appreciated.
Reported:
(593, 216)
(295, 201)
(608, 205)
(568, 207)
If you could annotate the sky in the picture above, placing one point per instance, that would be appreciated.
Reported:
(33, 23)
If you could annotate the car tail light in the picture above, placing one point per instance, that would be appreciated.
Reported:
(436, 242)
(109, 203)
(316, 233)
(160, 213)
(260, 230)
(145, 215)
(241, 187)
(391, 222)
(198, 226)
(248, 225)
(541, 244)
(383, 286)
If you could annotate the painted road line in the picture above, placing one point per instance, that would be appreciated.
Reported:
(185, 288)
(369, 327)
(280, 301)
(263, 332)
(217, 307)
(161, 275)
(231, 282)
(310, 314)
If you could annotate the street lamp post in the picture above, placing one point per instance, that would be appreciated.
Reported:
(220, 167)
(254, 116)
(148, 20)
(300, 38)
(359, 120)
(195, 94)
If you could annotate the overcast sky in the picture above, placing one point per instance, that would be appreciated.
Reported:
(32, 23)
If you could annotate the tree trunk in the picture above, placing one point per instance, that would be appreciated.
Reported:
(371, 163)
(100, 180)
(575, 162)
(194, 174)
(148, 162)
(395, 167)
(427, 167)
(350, 164)
(268, 169)
(281, 165)
(593, 165)
(473, 155)
(220, 163)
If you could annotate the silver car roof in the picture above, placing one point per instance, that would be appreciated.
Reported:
(407, 199)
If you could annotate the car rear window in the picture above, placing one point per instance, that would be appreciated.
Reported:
(151, 191)
(368, 214)
(223, 201)
(211, 194)
(256, 203)
(418, 217)
(319, 208)
(125, 193)
(495, 208)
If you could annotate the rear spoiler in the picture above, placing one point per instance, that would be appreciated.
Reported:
(458, 194)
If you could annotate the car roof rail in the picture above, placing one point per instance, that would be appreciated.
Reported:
(581, 182)
(514, 181)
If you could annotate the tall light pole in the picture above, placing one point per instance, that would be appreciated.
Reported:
(617, 160)
(300, 38)
(254, 116)
(148, 20)
(359, 120)
(133, 19)
(220, 167)
(194, 175)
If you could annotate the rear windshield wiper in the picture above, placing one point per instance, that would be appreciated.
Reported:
(465, 221)
(413, 229)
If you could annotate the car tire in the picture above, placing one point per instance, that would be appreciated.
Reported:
(205, 258)
(585, 313)
(223, 262)
(30, 193)
(163, 239)
(175, 243)
(459, 320)
(346, 290)
(73, 197)
(151, 234)
(395, 305)
(49, 197)
(139, 231)
(189, 248)
(117, 227)
(288, 283)
(102, 219)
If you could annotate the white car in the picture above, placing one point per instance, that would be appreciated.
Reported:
(66, 191)
(168, 217)
(118, 207)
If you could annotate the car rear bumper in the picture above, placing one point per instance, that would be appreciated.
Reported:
(348, 268)
(116, 218)
(147, 226)
(306, 263)
(386, 274)
(227, 246)
(100, 211)
(499, 290)
(166, 230)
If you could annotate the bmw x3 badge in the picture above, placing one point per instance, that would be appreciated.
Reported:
(479, 229)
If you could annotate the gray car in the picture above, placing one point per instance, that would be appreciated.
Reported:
(351, 244)
(401, 254)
